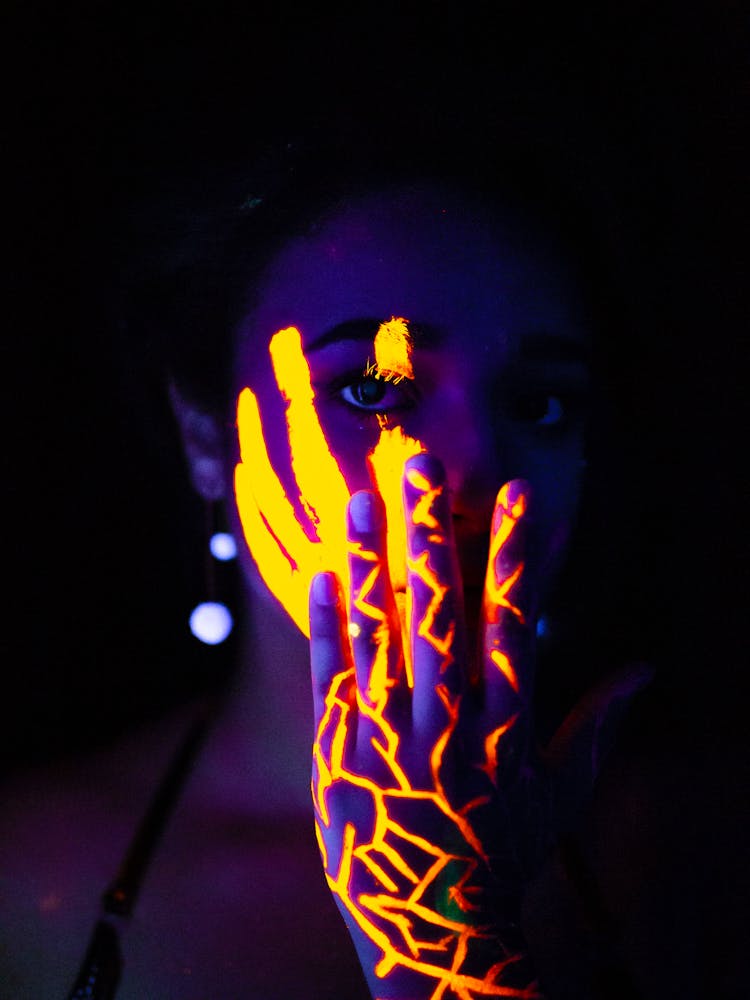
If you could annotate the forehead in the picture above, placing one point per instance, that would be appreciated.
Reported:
(426, 252)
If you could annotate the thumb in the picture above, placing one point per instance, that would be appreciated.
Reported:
(577, 751)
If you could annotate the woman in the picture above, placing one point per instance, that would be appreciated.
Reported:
(403, 316)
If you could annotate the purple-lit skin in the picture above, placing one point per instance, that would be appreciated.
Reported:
(236, 902)
(489, 289)
(478, 298)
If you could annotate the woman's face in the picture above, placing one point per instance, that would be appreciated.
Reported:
(499, 361)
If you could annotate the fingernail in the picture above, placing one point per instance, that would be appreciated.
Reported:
(429, 466)
(518, 488)
(324, 589)
(364, 511)
(512, 500)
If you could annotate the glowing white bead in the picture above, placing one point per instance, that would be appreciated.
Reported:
(223, 546)
(211, 622)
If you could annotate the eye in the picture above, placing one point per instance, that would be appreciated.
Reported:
(366, 392)
(540, 408)
(554, 412)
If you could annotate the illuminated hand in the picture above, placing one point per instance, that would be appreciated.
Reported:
(431, 811)
(294, 534)
(427, 811)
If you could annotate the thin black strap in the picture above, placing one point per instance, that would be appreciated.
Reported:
(101, 969)
(121, 895)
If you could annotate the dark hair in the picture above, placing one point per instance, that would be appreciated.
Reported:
(204, 235)
(209, 231)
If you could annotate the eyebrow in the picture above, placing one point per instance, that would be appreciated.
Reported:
(537, 346)
(365, 329)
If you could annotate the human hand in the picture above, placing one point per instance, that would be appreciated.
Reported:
(424, 767)
(429, 812)
(434, 808)
(293, 533)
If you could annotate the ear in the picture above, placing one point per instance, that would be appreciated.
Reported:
(202, 443)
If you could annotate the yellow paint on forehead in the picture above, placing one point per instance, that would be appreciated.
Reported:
(393, 350)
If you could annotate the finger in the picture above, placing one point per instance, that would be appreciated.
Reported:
(334, 703)
(322, 486)
(285, 557)
(508, 633)
(330, 658)
(373, 622)
(433, 596)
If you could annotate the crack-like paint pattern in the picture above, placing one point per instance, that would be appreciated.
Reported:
(407, 859)
(421, 900)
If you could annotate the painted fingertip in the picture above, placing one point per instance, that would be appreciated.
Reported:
(365, 511)
(425, 466)
(324, 590)
(512, 501)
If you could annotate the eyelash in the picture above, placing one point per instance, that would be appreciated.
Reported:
(562, 408)
(397, 396)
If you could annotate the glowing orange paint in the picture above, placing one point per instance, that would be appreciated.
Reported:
(503, 664)
(286, 557)
(288, 553)
(322, 488)
(393, 351)
(489, 766)
(386, 463)
(419, 902)
(497, 589)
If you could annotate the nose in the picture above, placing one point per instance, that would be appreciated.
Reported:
(461, 434)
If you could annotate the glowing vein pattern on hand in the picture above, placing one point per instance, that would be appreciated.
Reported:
(420, 899)
(408, 865)
(287, 552)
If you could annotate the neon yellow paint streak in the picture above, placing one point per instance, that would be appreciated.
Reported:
(321, 484)
(290, 543)
(503, 664)
(498, 588)
(393, 351)
(386, 462)
(283, 553)
(490, 749)
(287, 555)
(392, 900)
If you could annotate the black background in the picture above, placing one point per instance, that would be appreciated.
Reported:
(102, 564)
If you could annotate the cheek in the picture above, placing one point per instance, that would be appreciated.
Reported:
(556, 476)
(350, 444)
